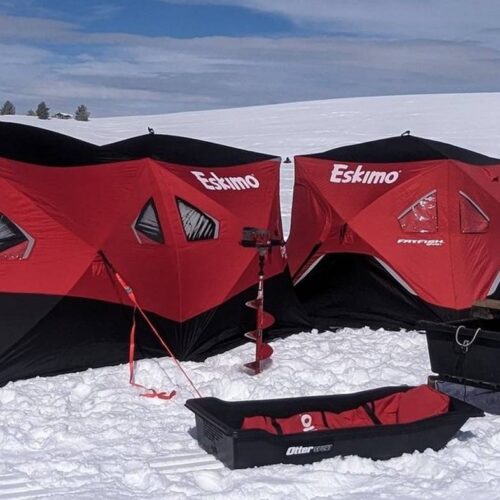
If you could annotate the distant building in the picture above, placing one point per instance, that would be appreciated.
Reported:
(63, 116)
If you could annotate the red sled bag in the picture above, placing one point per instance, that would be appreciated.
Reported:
(421, 402)
(399, 408)
(303, 422)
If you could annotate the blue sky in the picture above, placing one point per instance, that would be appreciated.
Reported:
(157, 18)
(126, 57)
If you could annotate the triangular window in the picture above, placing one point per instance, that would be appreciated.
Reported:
(472, 217)
(197, 225)
(14, 242)
(147, 226)
(421, 217)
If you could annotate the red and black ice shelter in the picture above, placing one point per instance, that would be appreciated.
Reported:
(392, 231)
(166, 212)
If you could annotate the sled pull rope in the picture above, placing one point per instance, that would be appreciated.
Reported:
(131, 295)
(465, 344)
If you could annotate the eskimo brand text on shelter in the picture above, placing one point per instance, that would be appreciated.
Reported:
(217, 183)
(343, 174)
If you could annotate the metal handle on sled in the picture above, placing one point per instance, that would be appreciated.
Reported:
(465, 344)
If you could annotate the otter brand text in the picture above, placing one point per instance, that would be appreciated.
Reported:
(304, 450)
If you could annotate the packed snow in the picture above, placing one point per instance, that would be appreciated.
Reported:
(91, 435)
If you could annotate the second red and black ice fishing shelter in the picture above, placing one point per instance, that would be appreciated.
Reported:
(392, 231)
(166, 213)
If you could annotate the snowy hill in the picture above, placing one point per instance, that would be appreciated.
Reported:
(90, 435)
(470, 120)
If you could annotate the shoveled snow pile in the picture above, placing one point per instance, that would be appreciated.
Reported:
(90, 435)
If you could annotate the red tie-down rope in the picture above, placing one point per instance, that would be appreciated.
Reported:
(150, 393)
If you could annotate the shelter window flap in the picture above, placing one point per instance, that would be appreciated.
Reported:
(15, 243)
(421, 216)
(472, 218)
(147, 227)
(197, 225)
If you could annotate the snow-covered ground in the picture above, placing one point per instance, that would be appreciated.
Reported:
(90, 435)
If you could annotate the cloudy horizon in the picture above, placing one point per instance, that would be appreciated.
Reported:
(159, 56)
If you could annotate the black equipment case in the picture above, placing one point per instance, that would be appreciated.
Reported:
(218, 428)
(465, 350)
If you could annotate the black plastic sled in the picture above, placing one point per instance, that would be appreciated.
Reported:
(465, 350)
(218, 430)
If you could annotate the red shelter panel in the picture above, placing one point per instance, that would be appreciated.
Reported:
(393, 231)
(166, 213)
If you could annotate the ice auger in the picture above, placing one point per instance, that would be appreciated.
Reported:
(261, 240)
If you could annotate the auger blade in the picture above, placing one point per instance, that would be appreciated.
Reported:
(267, 319)
(251, 335)
(263, 351)
(266, 351)
(254, 366)
(253, 304)
(261, 360)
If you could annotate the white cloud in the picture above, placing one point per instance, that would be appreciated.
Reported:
(120, 73)
(162, 75)
(408, 19)
(14, 54)
(34, 28)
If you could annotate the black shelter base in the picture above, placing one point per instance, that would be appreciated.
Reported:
(46, 335)
(354, 290)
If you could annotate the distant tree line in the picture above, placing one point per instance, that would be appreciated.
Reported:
(82, 113)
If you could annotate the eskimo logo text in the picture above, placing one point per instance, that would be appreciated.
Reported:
(342, 174)
(213, 182)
